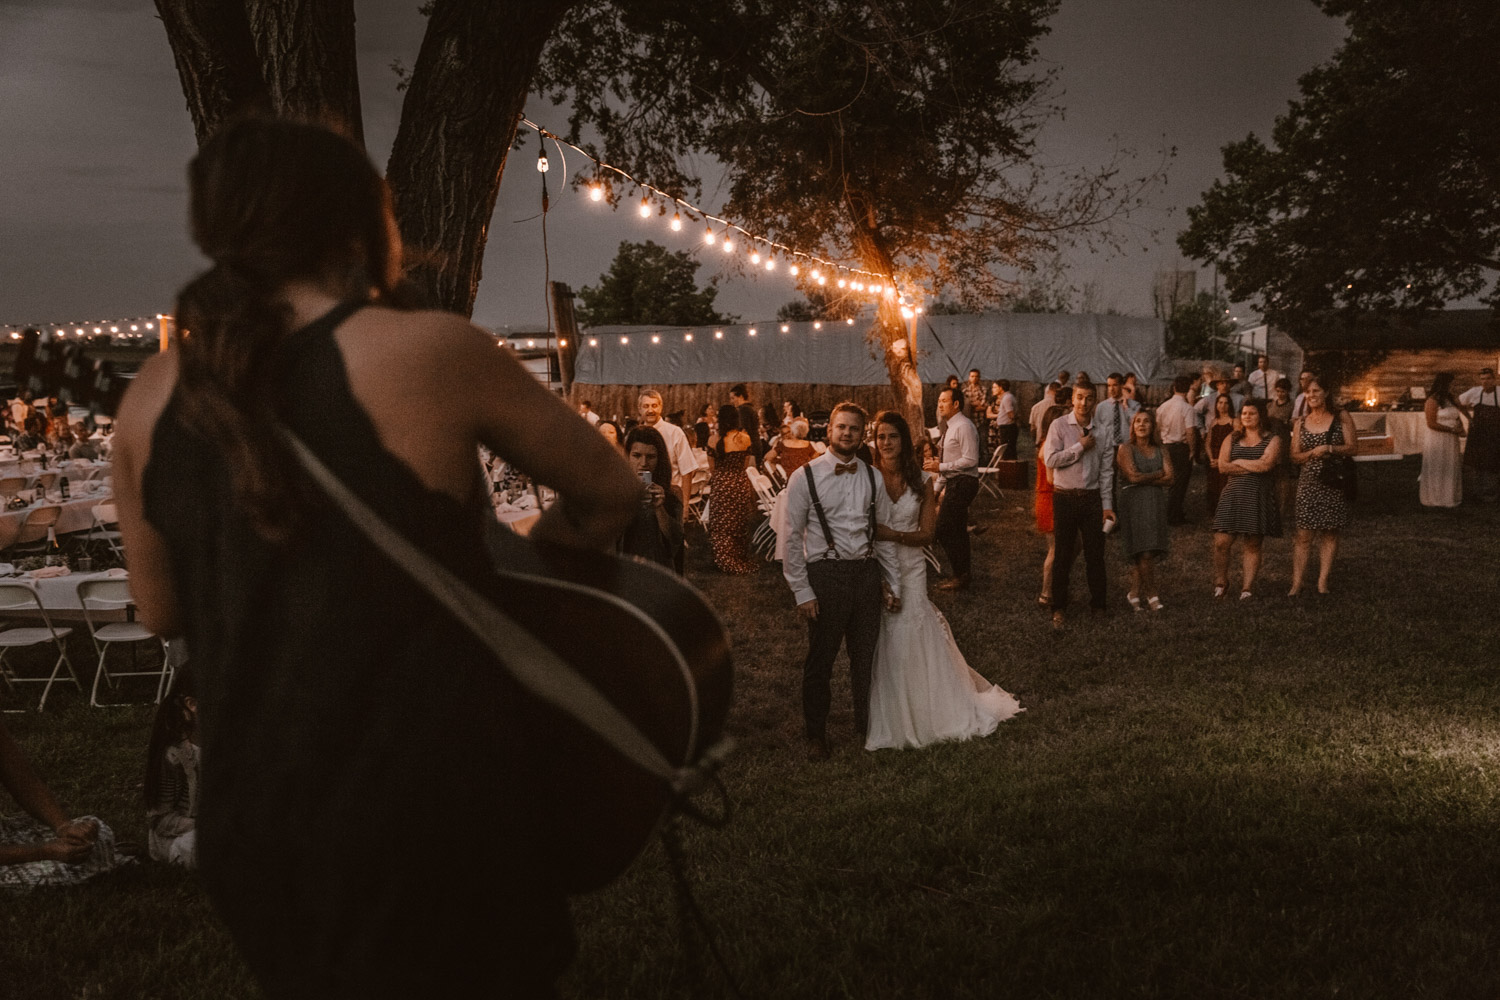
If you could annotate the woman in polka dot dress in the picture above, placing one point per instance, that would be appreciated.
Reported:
(1321, 510)
(731, 500)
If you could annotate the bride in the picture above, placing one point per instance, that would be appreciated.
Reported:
(923, 690)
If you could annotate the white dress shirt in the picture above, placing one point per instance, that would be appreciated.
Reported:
(846, 501)
(1299, 406)
(1471, 397)
(1073, 467)
(1263, 383)
(592, 418)
(960, 448)
(1006, 410)
(684, 463)
(1174, 418)
(1107, 414)
(1037, 412)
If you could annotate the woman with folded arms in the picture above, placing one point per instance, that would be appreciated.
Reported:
(1145, 473)
(1247, 511)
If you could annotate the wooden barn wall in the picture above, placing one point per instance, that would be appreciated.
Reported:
(1392, 373)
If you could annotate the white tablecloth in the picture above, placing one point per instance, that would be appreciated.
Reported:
(59, 593)
(77, 513)
(75, 471)
(1406, 429)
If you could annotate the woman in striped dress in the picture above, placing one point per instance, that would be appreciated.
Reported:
(1247, 509)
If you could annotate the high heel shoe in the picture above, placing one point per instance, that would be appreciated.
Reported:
(1135, 602)
(1156, 604)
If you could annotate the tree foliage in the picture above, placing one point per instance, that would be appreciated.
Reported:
(818, 304)
(1197, 327)
(1380, 187)
(649, 284)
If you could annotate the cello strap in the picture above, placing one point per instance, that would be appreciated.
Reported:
(527, 659)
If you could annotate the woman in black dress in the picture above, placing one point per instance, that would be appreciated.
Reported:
(731, 499)
(1247, 509)
(1322, 510)
(341, 708)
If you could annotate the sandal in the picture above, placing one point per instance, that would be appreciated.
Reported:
(1245, 595)
(1156, 604)
(1219, 590)
(1135, 602)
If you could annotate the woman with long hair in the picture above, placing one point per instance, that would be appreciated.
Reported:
(1145, 473)
(1248, 510)
(922, 690)
(731, 500)
(1325, 433)
(1222, 424)
(340, 707)
(1043, 502)
(1442, 481)
(656, 532)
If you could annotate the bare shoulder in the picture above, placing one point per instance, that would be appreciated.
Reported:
(146, 397)
(436, 332)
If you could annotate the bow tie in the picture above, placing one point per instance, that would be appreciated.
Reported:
(839, 468)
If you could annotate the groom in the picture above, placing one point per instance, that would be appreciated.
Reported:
(831, 565)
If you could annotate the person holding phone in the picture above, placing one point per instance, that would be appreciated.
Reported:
(656, 532)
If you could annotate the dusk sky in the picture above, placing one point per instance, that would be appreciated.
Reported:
(96, 136)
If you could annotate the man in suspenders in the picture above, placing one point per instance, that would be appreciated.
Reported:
(1482, 453)
(835, 573)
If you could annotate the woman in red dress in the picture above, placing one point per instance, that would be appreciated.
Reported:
(1044, 504)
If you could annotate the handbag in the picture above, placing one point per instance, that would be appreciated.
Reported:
(1338, 473)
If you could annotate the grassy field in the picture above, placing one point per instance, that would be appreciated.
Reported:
(1282, 798)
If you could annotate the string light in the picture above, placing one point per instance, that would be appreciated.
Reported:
(593, 341)
(752, 331)
(596, 191)
(708, 236)
(795, 270)
(786, 328)
(562, 343)
(645, 207)
(624, 340)
(770, 263)
(843, 283)
(676, 222)
(755, 256)
(850, 321)
(718, 334)
(688, 337)
(818, 326)
(541, 161)
(656, 338)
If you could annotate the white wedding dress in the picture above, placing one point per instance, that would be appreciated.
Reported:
(923, 690)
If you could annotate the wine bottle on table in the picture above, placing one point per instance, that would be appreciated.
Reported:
(54, 551)
(62, 485)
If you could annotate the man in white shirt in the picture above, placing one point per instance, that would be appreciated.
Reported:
(684, 462)
(586, 411)
(957, 465)
(1005, 419)
(1049, 397)
(1082, 500)
(836, 571)
(1482, 453)
(1177, 422)
(1263, 379)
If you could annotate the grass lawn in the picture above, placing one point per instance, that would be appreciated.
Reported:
(1270, 799)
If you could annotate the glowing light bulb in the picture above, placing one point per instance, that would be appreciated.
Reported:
(688, 337)
(596, 191)
(843, 283)
(919, 309)
(134, 328)
(770, 264)
(593, 341)
(148, 326)
(728, 243)
(624, 340)
(676, 221)
(818, 325)
(541, 163)
(530, 343)
(752, 331)
(822, 280)
(858, 286)
(655, 338)
(785, 327)
(114, 329)
(795, 270)
(562, 343)
(718, 334)
(849, 321)
(817, 275)
(645, 207)
(907, 313)
(755, 256)
(61, 333)
(96, 330)
(80, 331)
(708, 237)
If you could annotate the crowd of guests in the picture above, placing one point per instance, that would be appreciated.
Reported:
(44, 425)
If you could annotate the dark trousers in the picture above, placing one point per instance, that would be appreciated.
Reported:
(1182, 471)
(982, 435)
(953, 521)
(1071, 515)
(849, 609)
(1008, 435)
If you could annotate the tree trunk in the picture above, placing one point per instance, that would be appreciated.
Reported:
(216, 60)
(890, 325)
(458, 122)
(565, 324)
(307, 55)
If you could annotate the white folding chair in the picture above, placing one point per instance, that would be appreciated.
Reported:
(697, 502)
(33, 534)
(105, 528)
(987, 473)
(113, 594)
(19, 598)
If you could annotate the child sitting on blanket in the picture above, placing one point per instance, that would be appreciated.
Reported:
(172, 775)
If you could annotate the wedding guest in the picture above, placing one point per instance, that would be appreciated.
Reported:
(1082, 500)
(1299, 405)
(793, 450)
(1064, 377)
(1262, 381)
(1146, 471)
(1442, 481)
(1237, 384)
(739, 397)
(976, 395)
(612, 434)
(1324, 435)
(1482, 456)
(1247, 510)
(790, 410)
(1043, 506)
(1179, 435)
(684, 462)
(703, 428)
(1220, 427)
(732, 503)
(957, 466)
(1279, 411)
(656, 533)
(586, 411)
(82, 448)
(172, 775)
(1034, 418)
(1002, 414)
(1113, 414)
(1130, 389)
(45, 847)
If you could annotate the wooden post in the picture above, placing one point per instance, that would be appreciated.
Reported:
(567, 332)
(166, 330)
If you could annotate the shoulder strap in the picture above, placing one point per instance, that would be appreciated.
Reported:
(528, 660)
(812, 491)
(870, 475)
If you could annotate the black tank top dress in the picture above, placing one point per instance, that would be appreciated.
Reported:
(358, 829)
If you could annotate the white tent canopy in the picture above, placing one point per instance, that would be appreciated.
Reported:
(1019, 346)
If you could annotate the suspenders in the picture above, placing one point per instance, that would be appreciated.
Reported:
(812, 489)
